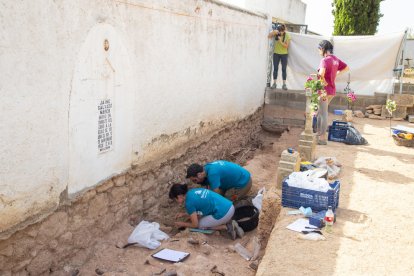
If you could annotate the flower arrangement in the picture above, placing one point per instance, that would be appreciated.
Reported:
(351, 97)
(316, 85)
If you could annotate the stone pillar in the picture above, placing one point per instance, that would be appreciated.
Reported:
(289, 162)
(307, 146)
(307, 141)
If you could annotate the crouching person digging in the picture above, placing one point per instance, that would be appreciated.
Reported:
(205, 209)
(223, 177)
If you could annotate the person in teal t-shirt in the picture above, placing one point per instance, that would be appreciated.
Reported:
(223, 177)
(205, 210)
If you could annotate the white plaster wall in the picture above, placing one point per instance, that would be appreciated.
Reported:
(292, 11)
(209, 65)
(34, 88)
(179, 63)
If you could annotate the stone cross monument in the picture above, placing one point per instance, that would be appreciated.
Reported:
(307, 141)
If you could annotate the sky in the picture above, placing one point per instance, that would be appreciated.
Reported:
(398, 15)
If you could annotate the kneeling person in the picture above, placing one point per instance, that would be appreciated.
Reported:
(206, 210)
(223, 177)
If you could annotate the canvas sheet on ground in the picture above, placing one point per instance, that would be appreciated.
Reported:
(371, 59)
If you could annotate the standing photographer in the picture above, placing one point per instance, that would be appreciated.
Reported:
(281, 52)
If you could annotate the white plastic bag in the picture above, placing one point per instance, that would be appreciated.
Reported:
(258, 199)
(304, 181)
(147, 234)
(312, 237)
(331, 164)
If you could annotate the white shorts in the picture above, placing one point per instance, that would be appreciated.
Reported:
(209, 221)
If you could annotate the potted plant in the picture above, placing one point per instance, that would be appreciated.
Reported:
(351, 97)
(391, 106)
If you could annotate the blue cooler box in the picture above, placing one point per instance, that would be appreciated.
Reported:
(294, 197)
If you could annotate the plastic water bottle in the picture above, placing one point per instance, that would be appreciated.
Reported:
(243, 251)
(329, 219)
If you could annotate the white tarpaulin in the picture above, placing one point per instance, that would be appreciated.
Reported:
(371, 60)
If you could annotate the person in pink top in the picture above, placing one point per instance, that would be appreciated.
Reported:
(329, 68)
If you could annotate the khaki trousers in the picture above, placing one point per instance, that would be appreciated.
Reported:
(236, 194)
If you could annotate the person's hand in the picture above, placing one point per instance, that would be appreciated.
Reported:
(179, 224)
(272, 34)
(322, 79)
(180, 215)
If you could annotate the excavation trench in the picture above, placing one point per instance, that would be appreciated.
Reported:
(209, 254)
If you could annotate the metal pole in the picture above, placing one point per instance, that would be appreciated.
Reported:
(402, 60)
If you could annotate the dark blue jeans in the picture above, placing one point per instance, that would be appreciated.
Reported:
(276, 59)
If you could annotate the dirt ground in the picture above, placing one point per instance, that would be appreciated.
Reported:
(214, 255)
(375, 221)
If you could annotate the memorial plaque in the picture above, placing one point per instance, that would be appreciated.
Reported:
(105, 125)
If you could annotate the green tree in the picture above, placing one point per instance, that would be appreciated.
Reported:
(356, 17)
(410, 34)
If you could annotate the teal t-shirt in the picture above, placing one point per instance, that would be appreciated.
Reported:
(226, 175)
(206, 202)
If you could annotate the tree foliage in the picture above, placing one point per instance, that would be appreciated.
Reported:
(410, 34)
(356, 17)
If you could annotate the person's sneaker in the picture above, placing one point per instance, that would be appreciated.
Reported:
(284, 87)
(239, 230)
(231, 230)
(274, 85)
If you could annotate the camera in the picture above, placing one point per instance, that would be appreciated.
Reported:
(278, 27)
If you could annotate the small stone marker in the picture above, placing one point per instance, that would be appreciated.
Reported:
(289, 162)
